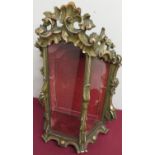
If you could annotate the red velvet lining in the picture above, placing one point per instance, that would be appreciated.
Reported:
(66, 74)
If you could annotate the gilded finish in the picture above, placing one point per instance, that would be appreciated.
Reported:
(92, 136)
(45, 92)
(86, 99)
(66, 24)
(62, 140)
(109, 111)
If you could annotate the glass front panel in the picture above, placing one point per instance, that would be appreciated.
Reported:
(66, 74)
(99, 77)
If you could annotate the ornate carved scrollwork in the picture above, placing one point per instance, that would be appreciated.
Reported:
(110, 111)
(67, 24)
(113, 85)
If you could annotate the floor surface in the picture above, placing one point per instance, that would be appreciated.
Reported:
(109, 144)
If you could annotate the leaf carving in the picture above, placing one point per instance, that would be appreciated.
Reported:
(96, 45)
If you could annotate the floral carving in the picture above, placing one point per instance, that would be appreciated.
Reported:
(67, 24)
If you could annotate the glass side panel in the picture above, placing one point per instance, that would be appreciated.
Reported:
(99, 77)
(66, 73)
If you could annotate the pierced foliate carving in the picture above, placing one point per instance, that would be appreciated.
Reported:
(67, 24)
(114, 84)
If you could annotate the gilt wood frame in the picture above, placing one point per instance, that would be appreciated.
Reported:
(93, 46)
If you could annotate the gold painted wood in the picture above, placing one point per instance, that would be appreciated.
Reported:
(86, 99)
(109, 111)
(66, 24)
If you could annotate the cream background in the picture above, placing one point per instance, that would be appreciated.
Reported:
(106, 13)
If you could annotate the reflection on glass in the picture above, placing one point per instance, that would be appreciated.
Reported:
(66, 65)
(99, 77)
(66, 74)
